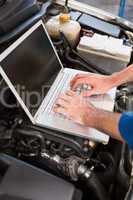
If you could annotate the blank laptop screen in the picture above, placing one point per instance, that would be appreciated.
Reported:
(32, 67)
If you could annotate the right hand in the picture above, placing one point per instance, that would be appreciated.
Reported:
(100, 84)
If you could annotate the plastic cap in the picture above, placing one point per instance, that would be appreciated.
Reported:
(64, 17)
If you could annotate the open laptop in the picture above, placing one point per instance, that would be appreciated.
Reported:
(35, 74)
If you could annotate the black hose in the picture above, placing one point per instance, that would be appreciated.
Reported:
(106, 176)
(66, 3)
(26, 133)
(123, 177)
(93, 66)
(96, 187)
(129, 195)
(58, 137)
(79, 63)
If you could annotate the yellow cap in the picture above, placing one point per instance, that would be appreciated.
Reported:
(64, 17)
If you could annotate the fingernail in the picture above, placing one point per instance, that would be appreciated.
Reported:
(55, 106)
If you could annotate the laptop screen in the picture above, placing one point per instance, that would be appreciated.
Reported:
(32, 67)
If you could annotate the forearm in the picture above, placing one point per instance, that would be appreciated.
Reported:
(104, 121)
(123, 76)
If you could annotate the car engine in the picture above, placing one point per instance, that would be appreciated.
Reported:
(99, 171)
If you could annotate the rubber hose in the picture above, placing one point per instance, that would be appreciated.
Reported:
(107, 176)
(123, 177)
(96, 187)
(77, 62)
(129, 195)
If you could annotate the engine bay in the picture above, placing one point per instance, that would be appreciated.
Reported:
(99, 171)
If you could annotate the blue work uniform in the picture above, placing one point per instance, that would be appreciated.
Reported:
(126, 128)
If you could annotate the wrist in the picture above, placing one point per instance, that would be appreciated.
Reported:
(122, 77)
(116, 79)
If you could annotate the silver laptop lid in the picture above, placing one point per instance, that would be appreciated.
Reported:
(29, 66)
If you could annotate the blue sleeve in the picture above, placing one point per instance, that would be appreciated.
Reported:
(126, 128)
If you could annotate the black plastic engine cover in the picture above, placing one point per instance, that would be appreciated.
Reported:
(21, 181)
(14, 12)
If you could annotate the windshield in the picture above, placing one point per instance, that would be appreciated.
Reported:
(123, 8)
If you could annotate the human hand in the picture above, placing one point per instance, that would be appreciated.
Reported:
(75, 108)
(100, 84)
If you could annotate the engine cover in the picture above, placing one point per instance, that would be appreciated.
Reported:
(20, 181)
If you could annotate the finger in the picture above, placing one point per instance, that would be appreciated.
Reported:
(79, 76)
(60, 110)
(65, 98)
(76, 78)
(55, 106)
(78, 82)
(70, 93)
(68, 96)
(61, 102)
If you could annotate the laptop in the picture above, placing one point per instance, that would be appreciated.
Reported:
(36, 76)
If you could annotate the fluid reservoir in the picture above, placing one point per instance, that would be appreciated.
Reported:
(63, 23)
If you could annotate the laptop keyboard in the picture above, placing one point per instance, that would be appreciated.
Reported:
(64, 86)
(82, 87)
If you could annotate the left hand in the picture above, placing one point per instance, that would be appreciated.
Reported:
(73, 107)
